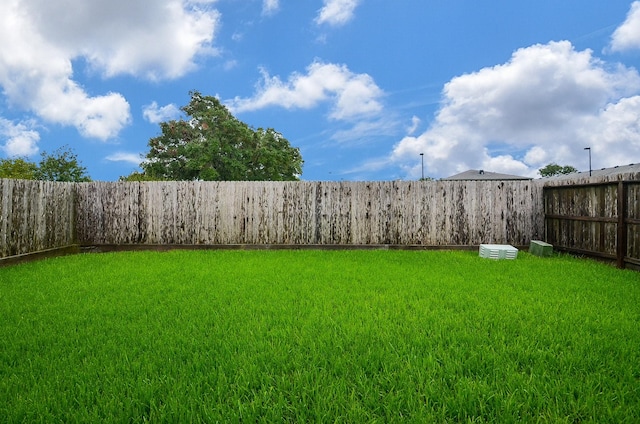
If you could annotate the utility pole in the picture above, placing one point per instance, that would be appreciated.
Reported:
(422, 159)
(589, 149)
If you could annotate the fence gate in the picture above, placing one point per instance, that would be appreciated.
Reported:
(597, 219)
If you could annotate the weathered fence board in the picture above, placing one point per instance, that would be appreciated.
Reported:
(326, 213)
(35, 216)
(633, 224)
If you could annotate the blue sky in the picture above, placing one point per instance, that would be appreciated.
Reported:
(362, 87)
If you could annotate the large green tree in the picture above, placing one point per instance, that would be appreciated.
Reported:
(554, 169)
(211, 144)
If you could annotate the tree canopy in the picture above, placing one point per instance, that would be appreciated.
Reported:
(136, 176)
(554, 169)
(19, 169)
(211, 144)
(61, 165)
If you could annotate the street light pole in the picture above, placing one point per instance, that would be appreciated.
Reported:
(422, 160)
(589, 149)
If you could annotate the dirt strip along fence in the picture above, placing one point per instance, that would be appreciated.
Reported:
(596, 218)
(35, 216)
(443, 213)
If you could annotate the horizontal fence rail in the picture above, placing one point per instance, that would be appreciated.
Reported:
(303, 213)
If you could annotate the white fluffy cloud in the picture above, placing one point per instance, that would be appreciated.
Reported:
(614, 133)
(158, 39)
(627, 36)
(40, 39)
(547, 103)
(337, 12)
(156, 114)
(352, 95)
(21, 139)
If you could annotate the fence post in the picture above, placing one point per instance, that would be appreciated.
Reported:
(621, 245)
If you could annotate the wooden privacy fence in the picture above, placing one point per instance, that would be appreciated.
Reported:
(36, 216)
(596, 219)
(443, 213)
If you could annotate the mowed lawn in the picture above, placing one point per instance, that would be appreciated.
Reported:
(318, 336)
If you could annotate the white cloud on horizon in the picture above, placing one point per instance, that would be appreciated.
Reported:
(353, 96)
(156, 114)
(39, 40)
(627, 36)
(132, 158)
(21, 138)
(545, 104)
(373, 165)
(337, 12)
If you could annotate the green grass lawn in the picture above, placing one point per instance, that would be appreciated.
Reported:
(318, 336)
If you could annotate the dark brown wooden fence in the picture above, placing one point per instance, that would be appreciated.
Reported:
(598, 219)
(443, 213)
(35, 216)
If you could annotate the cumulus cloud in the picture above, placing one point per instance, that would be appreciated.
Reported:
(21, 139)
(352, 95)
(100, 117)
(155, 40)
(336, 12)
(132, 158)
(39, 40)
(627, 35)
(546, 103)
(156, 114)
(614, 133)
